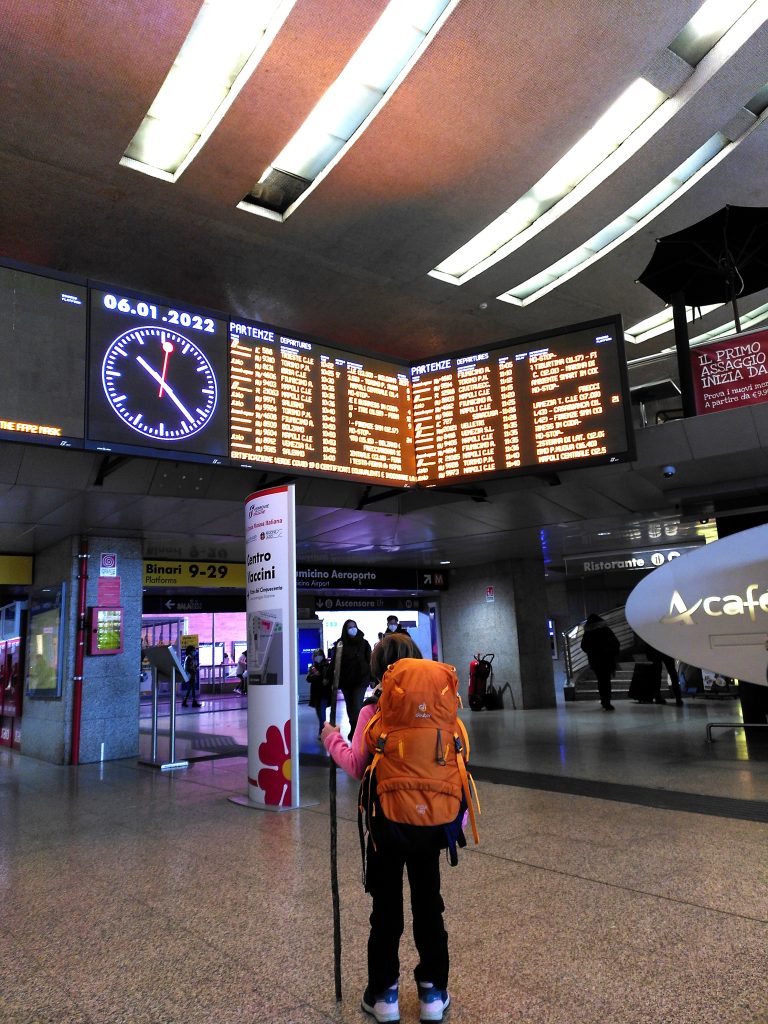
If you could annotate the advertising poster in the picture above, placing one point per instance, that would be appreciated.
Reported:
(45, 642)
(270, 564)
(731, 373)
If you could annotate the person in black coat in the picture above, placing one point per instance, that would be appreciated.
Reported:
(601, 647)
(355, 672)
(319, 686)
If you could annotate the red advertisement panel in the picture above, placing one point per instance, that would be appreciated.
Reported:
(731, 373)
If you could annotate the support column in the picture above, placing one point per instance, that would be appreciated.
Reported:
(109, 713)
(513, 625)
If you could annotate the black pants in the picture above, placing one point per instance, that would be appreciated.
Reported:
(191, 688)
(674, 681)
(604, 685)
(353, 698)
(384, 881)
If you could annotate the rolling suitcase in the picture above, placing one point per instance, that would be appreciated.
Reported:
(644, 687)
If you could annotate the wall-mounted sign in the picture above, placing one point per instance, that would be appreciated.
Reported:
(710, 609)
(184, 575)
(108, 563)
(368, 577)
(16, 570)
(623, 561)
(731, 373)
(353, 603)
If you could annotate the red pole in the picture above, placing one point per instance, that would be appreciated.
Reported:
(77, 692)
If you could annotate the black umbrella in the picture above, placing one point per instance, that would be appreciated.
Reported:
(715, 260)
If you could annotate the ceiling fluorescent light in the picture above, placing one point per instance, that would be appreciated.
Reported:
(384, 58)
(224, 46)
(623, 227)
(510, 231)
(750, 319)
(661, 323)
(528, 216)
(638, 216)
(709, 23)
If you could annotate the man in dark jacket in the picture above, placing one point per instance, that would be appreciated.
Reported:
(601, 647)
(355, 671)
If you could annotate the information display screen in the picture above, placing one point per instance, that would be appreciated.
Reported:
(157, 378)
(555, 400)
(305, 405)
(42, 340)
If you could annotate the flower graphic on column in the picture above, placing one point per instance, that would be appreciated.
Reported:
(275, 780)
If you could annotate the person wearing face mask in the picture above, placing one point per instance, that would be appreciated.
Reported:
(393, 626)
(355, 670)
(319, 680)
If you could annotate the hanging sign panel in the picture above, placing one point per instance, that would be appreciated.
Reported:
(731, 373)
(42, 338)
(710, 607)
(555, 400)
(306, 405)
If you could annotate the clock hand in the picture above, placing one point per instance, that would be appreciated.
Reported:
(167, 348)
(168, 389)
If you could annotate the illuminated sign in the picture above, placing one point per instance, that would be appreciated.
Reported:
(623, 561)
(305, 405)
(710, 607)
(554, 400)
(193, 574)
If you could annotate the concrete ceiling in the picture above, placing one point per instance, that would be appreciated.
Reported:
(500, 95)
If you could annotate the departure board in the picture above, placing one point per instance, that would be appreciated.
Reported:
(307, 406)
(42, 340)
(556, 400)
(157, 378)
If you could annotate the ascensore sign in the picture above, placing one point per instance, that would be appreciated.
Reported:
(710, 607)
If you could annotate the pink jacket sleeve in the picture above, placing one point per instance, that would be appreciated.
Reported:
(352, 758)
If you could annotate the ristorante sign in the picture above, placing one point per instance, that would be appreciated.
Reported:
(710, 607)
(731, 373)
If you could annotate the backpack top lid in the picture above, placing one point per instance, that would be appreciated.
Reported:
(416, 693)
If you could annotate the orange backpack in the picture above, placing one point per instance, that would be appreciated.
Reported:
(418, 775)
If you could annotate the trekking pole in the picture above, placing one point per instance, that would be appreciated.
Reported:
(334, 865)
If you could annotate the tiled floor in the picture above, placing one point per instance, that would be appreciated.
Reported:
(129, 895)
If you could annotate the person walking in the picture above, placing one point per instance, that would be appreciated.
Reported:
(355, 669)
(601, 647)
(387, 856)
(319, 680)
(190, 668)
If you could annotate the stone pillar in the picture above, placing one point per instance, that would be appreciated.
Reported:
(513, 625)
(109, 722)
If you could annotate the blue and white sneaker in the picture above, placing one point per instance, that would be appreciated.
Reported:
(433, 1002)
(384, 1007)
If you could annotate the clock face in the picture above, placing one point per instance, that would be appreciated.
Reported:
(159, 383)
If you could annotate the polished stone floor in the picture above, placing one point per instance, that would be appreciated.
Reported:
(130, 895)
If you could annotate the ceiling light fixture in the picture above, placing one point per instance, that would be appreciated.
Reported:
(528, 216)
(383, 60)
(662, 322)
(633, 120)
(227, 40)
(623, 227)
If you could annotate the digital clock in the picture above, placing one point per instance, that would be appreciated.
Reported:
(159, 383)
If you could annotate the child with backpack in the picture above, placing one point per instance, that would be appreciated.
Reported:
(408, 749)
